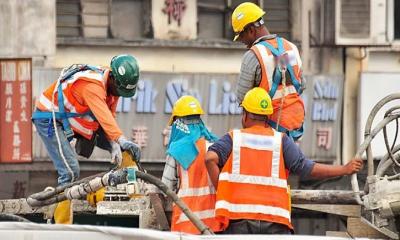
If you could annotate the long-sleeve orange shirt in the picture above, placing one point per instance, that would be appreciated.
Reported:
(95, 97)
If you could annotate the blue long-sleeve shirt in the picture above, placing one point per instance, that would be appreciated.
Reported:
(295, 161)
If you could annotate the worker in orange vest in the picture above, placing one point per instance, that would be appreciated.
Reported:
(185, 170)
(82, 104)
(250, 167)
(272, 63)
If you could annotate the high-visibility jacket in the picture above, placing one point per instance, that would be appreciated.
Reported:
(84, 125)
(292, 111)
(253, 182)
(198, 192)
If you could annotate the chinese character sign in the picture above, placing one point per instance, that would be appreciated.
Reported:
(174, 9)
(15, 111)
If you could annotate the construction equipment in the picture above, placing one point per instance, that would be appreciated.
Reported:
(373, 212)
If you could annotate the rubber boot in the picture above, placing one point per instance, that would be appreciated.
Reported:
(63, 213)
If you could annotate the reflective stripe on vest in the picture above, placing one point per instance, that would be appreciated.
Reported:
(253, 208)
(199, 194)
(257, 142)
(200, 214)
(267, 189)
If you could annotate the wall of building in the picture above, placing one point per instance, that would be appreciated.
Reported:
(27, 28)
(157, 59)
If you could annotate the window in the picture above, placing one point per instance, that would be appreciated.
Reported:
(397, 19)
(68, 18)
(214, 17)
(121, 19)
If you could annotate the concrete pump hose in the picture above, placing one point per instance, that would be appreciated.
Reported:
(192, 217)
(362, 148)
(50, 193)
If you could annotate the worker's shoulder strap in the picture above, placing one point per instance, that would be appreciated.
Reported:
(277, 78)
(62, 115)
(68, 72)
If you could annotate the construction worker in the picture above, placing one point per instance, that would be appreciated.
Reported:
(252, 191)
(82, 104)
(185, 170)
(272, 63)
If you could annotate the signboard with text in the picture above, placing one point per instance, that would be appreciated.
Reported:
(15, 111)
(144, 117)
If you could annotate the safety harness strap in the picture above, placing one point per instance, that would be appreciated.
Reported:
(277, 77)
(62, 114)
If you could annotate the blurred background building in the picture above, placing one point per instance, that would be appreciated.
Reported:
(350, 51)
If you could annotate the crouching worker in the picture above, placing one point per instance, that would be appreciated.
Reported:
(185, 170)
(250, 168)
(81, 104)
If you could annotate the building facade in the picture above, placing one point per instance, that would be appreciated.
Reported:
(185, 47)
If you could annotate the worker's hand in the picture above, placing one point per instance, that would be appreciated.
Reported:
(353, 166)
(131, 146)
(116, 154)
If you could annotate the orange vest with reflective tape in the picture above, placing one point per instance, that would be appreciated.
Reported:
(253, 183)
(197, 191)
(292, 113)
(85, 125)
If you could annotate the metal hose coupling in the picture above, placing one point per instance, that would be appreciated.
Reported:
(112, 178)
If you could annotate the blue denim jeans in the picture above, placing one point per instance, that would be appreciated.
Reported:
(67, 170)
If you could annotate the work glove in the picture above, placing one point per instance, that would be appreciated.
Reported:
(127, 145)
(116, 154)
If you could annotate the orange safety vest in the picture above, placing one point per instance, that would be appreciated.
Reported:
(292, 112)
(85, 125)
(253, 183)
(197, 191)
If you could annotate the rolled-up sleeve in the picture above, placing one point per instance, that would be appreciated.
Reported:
(295, 161)
(250, 75)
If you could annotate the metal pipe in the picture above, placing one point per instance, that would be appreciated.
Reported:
(323, 196)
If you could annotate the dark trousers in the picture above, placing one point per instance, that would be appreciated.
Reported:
(256, 227)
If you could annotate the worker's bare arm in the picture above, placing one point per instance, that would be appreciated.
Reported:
(212, 167)
(326, 171)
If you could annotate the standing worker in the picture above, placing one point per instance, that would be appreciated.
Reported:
(272, 63)
(82, 104)
(185, 170)
(252, 191)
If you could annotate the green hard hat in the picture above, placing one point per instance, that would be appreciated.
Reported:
(126, 74)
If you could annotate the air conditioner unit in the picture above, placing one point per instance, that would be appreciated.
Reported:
(361, 22)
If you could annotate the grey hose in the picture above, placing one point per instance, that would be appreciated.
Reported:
(368, 127)
(48, 194)
(192, 217)
(78, 190)
(384, 164)
(363, 147)
(388, 148)
(4, 217)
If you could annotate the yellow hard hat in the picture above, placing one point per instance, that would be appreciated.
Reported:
(185, 106)
(258, 101)
(244, 14)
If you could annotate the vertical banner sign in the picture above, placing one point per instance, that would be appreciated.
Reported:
(15, 111)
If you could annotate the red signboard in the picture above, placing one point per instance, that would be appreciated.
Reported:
(15, 111)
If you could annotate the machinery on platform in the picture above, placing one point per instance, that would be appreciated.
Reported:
(121, 192)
